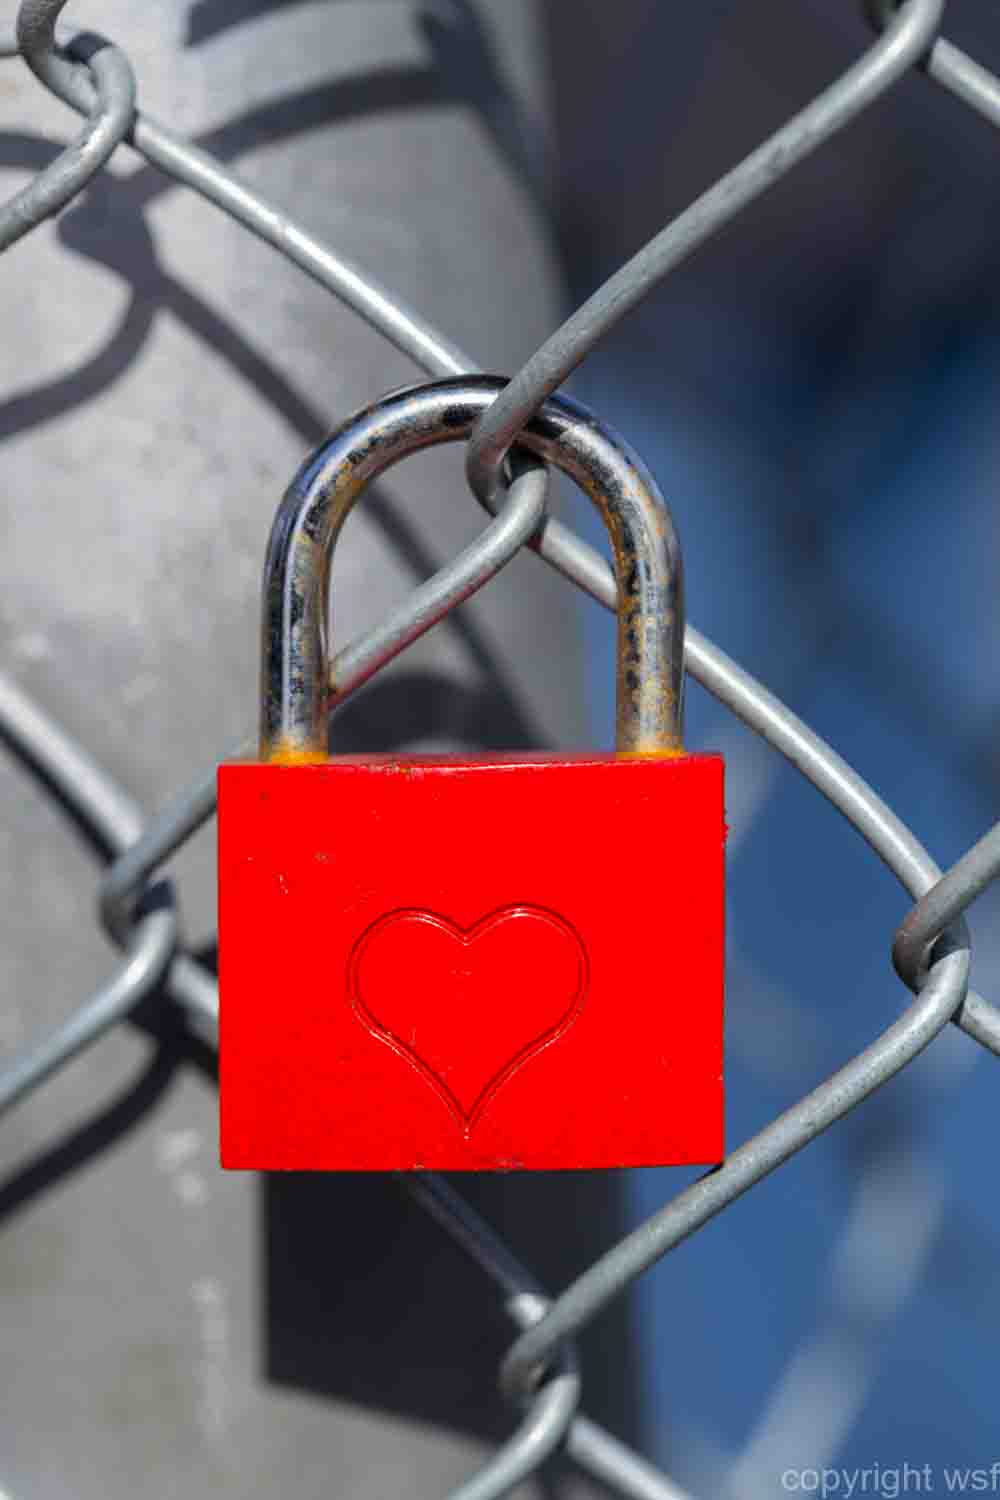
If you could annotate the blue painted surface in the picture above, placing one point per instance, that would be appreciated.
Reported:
(883, 636)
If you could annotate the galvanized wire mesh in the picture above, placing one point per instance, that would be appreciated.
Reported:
(931, 951)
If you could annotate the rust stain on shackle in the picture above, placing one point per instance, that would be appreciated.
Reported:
(295, 661)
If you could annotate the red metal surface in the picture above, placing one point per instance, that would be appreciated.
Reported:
(433, 962)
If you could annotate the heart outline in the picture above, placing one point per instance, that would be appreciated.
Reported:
(467, 1120)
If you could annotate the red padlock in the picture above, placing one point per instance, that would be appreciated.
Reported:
(513, 960)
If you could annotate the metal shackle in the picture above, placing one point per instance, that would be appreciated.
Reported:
(295, 685)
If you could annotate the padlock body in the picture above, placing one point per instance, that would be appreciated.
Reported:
(512, 962)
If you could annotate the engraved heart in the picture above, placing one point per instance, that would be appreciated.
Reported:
(468, 1007)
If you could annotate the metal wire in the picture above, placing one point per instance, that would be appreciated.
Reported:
(526, 1302)
(931, 948)
(113, 820)
(206, 176)
(951, 67)
(943, 904)
(906, 39)
(112, 105)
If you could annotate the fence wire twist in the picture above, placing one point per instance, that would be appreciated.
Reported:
(931, 950)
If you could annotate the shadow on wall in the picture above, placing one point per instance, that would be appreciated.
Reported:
(365, 1299)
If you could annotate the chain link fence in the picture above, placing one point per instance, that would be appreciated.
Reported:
(540, 1374)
